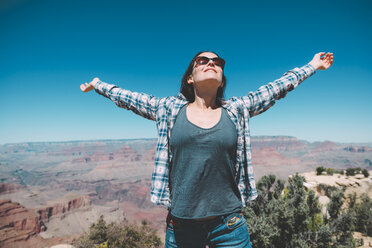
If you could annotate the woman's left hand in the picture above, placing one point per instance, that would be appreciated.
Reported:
(322, 63)
(88, 87)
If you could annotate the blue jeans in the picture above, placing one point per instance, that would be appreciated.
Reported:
(223, 231)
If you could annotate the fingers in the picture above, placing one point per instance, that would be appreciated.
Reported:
(327, 61)
(328, 56)
(84, 87)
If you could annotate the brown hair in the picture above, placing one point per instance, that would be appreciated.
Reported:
(188, 89)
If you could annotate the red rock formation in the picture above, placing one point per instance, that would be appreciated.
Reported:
(149, 155)
(63, 207)
(73, 149)
(17, 223)
(124, 154)
(358, 149)
(269, 156)
(127, 153)
(325, 147)
(137, 192)
(9, 188)
(364, 149)
(279, 143)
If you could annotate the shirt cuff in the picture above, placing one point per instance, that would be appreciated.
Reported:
(311, 69)
(303, 72)
(102, 88)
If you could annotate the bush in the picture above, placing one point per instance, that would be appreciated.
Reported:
(350, 172)
(365, 173)
(364, 215)
(330, 171)
(294, 218)
(319, 170)
(123, 235)
(335, 204)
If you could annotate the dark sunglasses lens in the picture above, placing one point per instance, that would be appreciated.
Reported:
(219, 62)
(202, 60)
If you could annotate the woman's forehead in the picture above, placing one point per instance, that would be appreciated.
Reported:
(208, 54)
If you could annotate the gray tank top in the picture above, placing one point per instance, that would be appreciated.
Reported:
(202, 169)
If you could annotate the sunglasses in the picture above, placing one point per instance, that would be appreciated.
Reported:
(202, 60)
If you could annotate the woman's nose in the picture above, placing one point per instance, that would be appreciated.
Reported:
(210, 62)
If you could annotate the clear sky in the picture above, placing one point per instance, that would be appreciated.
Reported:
(48, 48)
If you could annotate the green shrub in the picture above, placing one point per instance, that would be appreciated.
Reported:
(365, 173)
(319, 170)
(330, 171)
(350, 172)
(123, 235)
(294, 218)
(335, 204)
(364, 215)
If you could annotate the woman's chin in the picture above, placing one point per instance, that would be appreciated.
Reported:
(210, 79)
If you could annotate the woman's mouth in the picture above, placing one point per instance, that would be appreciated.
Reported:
(210, 69)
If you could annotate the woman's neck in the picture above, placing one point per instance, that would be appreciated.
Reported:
(205, 103)
(205, 96)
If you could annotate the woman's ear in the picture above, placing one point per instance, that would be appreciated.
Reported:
(190, 80)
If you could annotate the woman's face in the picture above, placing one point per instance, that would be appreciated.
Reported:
(209, 73)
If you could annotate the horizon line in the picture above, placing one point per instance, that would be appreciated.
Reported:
(154, 138)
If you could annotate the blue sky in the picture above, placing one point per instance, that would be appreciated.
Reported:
(48, 48)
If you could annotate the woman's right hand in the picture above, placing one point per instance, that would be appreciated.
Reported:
(88, 87)
(322, 63)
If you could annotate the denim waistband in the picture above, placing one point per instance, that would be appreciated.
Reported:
(218, 219)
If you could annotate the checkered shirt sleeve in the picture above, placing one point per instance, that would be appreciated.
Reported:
(259, 101)
(140, 103)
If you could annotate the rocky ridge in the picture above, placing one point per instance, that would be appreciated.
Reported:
(322, 184)
(19, 224)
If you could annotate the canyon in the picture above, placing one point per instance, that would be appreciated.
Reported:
(50, 192)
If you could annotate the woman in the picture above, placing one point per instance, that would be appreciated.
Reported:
(203, 172)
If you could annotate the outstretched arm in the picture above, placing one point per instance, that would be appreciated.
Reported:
(265, 97)
(142, 104)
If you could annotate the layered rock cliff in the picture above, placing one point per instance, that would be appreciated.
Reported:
(17, 223)
(9, 187)
(63, 207)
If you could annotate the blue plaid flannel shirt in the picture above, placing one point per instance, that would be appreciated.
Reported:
(164, 111)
